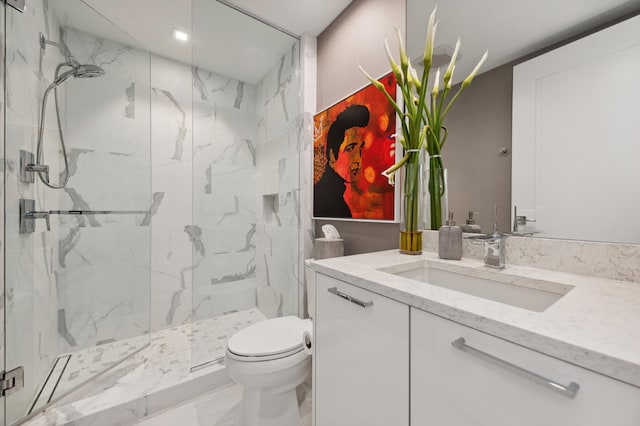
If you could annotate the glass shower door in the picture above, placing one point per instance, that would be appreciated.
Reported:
(3, 166)
(77, 272)
(246, 188)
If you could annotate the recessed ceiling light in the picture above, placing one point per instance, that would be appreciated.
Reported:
(180, 35)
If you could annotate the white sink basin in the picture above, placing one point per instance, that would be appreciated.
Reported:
(533, 295)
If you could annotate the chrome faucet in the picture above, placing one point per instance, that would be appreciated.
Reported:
(519, 221)
(494, 251)
(493, 244)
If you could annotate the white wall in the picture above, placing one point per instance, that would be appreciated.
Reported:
(575, 138)
(357, 36)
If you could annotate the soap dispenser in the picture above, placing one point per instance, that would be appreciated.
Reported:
(450, 240)
(471, 225)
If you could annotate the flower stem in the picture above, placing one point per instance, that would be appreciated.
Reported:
(412, 192)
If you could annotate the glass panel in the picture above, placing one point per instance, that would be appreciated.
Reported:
(3, 165)
(77, 294)
(246, 189)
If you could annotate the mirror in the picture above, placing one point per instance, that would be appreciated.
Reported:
(478, 152)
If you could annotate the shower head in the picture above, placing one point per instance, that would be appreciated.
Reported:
(88, 71)
(79, 71)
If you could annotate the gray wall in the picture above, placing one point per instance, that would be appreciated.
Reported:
(357, 36)
(479, 124)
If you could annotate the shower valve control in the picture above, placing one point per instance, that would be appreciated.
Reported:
(28, 216)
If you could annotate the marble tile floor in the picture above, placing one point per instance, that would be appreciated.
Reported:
(158, 376)
(86, 363)
(218, 408)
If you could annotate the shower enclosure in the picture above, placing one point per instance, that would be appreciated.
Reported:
(77, 277)
(149, 211)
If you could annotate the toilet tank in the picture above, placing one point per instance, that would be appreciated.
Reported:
(310, 280)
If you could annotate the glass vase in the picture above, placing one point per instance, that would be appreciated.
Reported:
(435, 196)
(412, 221)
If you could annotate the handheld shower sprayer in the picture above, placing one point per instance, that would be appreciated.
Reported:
(76, 70)
(79, 71)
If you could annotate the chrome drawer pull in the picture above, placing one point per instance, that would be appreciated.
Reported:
(334, 290)
(569, 391)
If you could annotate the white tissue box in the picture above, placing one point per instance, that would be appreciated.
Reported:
(324, 248)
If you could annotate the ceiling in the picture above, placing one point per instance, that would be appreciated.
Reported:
(295, 16)
(249, 47)
(507, 29)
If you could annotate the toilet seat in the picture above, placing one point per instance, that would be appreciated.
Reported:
(268, 340)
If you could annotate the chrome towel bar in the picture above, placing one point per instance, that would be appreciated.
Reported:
(98, 211)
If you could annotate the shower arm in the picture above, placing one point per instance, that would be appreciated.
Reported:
(64, 49)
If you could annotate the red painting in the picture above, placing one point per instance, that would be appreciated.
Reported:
(353, 144)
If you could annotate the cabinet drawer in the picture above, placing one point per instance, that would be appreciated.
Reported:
(455, 387)
(361, 358)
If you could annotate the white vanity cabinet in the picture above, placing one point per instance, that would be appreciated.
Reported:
(361, 357)
(455, 387)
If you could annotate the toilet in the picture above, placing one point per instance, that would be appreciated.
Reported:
(270, 360)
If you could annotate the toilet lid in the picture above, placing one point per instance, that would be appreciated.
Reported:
(270, 337)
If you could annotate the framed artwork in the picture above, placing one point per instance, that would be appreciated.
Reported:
(353, 143)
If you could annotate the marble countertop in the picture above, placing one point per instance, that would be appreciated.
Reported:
(595, 325)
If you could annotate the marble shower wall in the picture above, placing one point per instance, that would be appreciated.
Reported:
(205, 191)
(103, 260)
(223, 232)
(308, 68)
(172, 234)
(213, 239)
(31, 273)
(279, 145)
